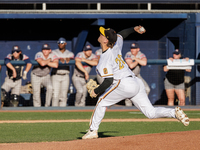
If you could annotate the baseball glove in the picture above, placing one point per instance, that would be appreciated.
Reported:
(91, 85)
(140, 29)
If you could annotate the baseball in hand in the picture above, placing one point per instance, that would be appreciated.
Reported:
(142, 29)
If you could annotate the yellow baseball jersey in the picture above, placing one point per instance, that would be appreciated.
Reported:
(111, 63)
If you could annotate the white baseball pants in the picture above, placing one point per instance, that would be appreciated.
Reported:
(14, 86)
(132, 88)
(36, 82)
(60, 89)
(81, 90)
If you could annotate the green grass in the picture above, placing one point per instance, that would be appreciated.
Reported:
(76, 115)
(42, 132)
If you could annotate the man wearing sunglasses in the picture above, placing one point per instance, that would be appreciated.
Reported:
(60, 75)
(14, 74)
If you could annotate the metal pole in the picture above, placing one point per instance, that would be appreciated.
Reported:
(44, 7)
(98, 6)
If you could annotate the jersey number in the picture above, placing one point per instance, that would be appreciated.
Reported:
(120, 61)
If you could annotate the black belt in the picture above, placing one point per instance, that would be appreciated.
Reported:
(14, 79)
(80, 76)
(61, 74)
(37, 75)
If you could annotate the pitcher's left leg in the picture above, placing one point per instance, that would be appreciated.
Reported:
(142, 102)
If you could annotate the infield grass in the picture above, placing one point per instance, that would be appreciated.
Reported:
(42, 132)
(77, 115)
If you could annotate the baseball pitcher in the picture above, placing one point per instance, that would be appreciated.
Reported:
(121, 83)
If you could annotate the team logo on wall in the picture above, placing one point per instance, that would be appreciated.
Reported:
(105, 70)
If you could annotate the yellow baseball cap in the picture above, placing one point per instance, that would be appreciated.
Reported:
(109, 33)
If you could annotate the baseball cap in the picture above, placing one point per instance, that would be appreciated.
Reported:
(46, 46)
(109, 33)
(135, 45)
(61, 40)
(87, 47)
(16, 48)
(176, 52)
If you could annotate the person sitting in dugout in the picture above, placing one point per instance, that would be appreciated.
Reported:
(14, 74)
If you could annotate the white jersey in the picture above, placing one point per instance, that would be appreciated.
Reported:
(111, 63)
(125, 85)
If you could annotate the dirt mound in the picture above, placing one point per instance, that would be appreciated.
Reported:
(165, 141)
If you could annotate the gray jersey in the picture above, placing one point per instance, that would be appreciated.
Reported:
(98, 52)
(137, 69)
(59, 54)
(99, 78)
(87, 67)
(43, 71)
(79, 80)
(140, 55)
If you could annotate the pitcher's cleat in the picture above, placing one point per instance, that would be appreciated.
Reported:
(91, 135)
(181, 116)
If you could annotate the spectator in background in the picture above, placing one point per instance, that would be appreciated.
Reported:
(14, 74)
(60, 75)
(174, 82)
(98, 54)
(81, 73)
(40, 75)
(135, 60)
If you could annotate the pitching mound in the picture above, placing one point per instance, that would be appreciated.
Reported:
(165, 141)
